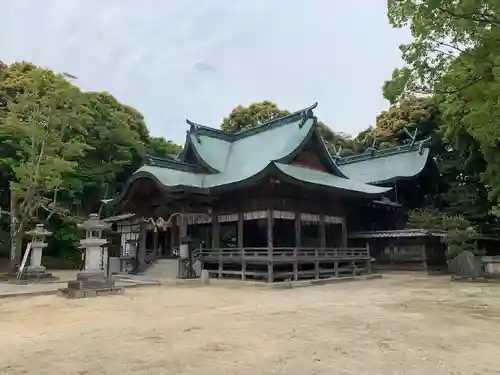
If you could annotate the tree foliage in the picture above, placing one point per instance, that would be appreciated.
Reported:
(461, 235)
(62, 151)
(410, 115)
(117, 140)
(454, 58)
(43, 113)
(255, 114)
(459, 189)
(161, 148)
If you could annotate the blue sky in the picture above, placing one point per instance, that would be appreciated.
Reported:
(198, 59)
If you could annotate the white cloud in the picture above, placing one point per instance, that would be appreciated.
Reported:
(155, 55)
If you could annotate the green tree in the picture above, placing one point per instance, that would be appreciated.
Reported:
(118, 137)
(454, 57)
(366, 139)
(161, 148)
(460, 162)
(447, 34)
(91, 145)
(461, 235)
(410, 114)
(4, 178)
(119, 140)
(43, 113)
(242, 118)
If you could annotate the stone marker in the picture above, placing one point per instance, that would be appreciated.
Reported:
(35, 270)
(93, 279)
(465, 265)
(492, 265)
(205, 277)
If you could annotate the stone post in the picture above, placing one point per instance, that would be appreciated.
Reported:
(35, 268)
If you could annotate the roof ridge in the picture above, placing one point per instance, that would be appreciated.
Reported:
(303, 113)
(154, 161)
(195, 124)
(374, 154)
(198, 129)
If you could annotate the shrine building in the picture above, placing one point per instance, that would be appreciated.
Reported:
(267, 203)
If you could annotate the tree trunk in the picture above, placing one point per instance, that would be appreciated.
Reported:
(16, 234)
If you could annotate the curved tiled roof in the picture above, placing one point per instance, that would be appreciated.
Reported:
(226, 160)
(328, 180)
(386, 166)
(171, 178)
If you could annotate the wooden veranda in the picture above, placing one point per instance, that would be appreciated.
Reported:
(279, 264)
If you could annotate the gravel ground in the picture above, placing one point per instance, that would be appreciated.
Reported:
(396, 325)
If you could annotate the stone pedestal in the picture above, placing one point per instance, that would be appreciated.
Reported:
(94, 254)
(93, 280)
(35, 270)
(36, 254)
(90, 284)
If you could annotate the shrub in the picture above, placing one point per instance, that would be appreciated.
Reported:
(461, 235)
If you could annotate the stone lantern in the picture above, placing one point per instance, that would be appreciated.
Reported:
(93, 279)
(92, 244)
(35, 268)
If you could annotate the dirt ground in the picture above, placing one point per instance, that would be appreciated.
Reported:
(395, 325)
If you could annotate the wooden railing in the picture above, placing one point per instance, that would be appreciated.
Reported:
(284, 252)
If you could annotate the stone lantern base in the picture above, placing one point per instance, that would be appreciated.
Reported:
(90, 284)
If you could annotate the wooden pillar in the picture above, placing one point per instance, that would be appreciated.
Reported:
(322, 245)
(322, 232)
(424, 256)
(174, 229)
(298, 230)
(182, 236)
(156, 242)
(165, 241)
(316, 264)
(216, 240)
(344, 232)
(202, 260)
(298, 244)
(141, 251)
(369, 260)
(296, 264)
(183, 227)
(221, 264)
(240, 230)
(270, 232)
(215, 230)
(241, 245)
